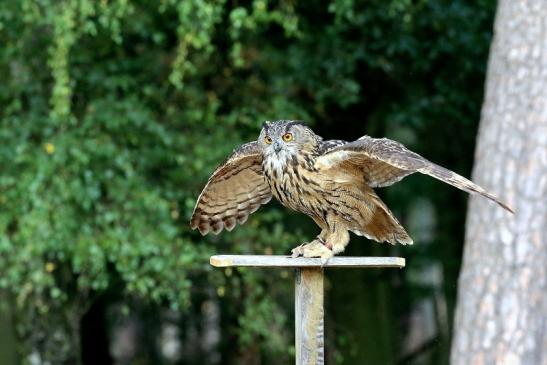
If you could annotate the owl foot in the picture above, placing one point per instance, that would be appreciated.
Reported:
(315, 248)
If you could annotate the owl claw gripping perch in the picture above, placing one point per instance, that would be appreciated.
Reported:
(330, 181)
(316, 248)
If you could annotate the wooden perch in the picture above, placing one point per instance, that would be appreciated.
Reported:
(302, 262)
(308, 307)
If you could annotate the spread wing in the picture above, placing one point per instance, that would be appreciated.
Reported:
(236, 189)
(382, 162)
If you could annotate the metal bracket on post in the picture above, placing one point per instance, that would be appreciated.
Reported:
(308, 305)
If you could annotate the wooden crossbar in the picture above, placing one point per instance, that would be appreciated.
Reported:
(302, 262)
(309, 292)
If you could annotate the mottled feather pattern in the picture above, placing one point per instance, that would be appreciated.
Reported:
(327, 146)
(388, 161)
(383, 226)
(330, 181)
(236, 189)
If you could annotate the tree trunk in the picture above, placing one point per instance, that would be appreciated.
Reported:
(501, 315)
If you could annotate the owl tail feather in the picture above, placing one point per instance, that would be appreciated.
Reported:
(383, 226)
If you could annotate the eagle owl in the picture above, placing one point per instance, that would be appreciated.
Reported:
(330, 181)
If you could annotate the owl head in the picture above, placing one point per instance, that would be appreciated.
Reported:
(285, 138)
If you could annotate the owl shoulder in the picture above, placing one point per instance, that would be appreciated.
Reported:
(327, 146)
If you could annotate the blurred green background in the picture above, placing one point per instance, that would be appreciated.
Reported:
(113, 115)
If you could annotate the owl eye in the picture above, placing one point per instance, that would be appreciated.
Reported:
(287, 137)
(268, 140)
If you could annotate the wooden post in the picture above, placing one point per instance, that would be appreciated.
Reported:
(309, 317)
(308, 305)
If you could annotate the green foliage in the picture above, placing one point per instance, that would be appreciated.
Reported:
(114, 113)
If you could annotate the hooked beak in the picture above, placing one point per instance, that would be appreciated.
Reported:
(277, 147)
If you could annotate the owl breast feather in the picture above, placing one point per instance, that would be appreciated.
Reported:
(294, 184)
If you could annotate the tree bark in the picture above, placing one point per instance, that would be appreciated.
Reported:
(501, 316)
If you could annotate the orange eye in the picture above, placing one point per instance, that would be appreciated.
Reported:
(287, 137)
(268, 139)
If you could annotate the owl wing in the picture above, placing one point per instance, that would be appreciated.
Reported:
(383, 162)
(236, 189)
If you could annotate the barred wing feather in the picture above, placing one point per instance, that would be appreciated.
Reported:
(236, 189)
(383, 162)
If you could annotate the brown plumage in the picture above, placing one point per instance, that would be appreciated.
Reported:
(331, 181)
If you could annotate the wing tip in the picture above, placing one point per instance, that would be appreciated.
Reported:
(203, 231)
(506, 207)
(405, 240)
(202, 226)
(495, 199)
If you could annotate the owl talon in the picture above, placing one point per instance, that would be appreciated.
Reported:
(298, 250)
(316, 248)
(325, 256)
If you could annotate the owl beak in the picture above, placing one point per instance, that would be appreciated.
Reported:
(277, 147)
